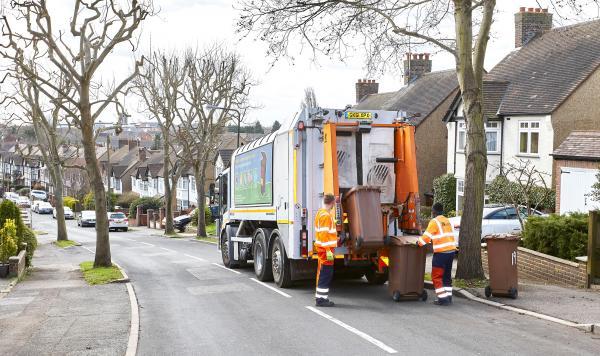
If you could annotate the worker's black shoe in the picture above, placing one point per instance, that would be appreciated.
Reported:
(441, 301)
(322, 302)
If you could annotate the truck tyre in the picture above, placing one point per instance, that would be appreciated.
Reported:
(263, 267)
(282, 273)
(227, 251)
(376, 278)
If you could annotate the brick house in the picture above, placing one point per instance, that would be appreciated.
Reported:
(426, 97)
(576, 164)
(535, 97)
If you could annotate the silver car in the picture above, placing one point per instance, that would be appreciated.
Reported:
(67, 212)
(118, 221)
(87, 218)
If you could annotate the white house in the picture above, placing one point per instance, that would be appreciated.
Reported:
(540, 92)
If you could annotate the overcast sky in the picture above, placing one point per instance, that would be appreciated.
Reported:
(183, 23)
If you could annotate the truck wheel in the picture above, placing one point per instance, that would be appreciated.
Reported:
(227, 251)
(376, 278)
(262, 264)
(280, 264)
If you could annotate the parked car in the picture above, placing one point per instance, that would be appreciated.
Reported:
(67, 211)
(39, 195)
(117, 221)
(87, 218)
(23, 202)
(498, 219)
(44, 208)
(179, 222)
(12, 196)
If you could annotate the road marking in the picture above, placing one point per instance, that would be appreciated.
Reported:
(369, 338)
(156, 254)
(194, 257)
(88, 249)
(271, 288)
(147, 244)
(225, 268)
(167, 249)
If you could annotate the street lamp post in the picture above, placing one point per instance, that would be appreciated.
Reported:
(239, 118)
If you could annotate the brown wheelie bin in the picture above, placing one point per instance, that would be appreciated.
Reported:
(407, 269)
(363, 206)
(502, 264)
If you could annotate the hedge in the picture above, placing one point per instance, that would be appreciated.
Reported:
(444, 191)
(9, 210)
(89, 201)
(146, 203)
(70, 202)
(207, 216)
(562, 236)
(500, 189)
(124, 200)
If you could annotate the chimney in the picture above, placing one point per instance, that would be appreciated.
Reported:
(123, 142)
(415, 65)
(133, 144)
(365, 87)
(530, 22)
(142, 154)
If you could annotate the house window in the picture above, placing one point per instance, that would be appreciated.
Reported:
(155, 183)
(117, 184)
(492, 134)
(185, 183)
(460, 193)
(529, 137)
(462, 136)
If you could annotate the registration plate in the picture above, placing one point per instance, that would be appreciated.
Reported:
(356, 115)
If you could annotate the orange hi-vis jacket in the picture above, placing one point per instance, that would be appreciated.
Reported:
(441, 234)
(326, 235)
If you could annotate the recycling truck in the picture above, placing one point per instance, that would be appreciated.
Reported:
(269, 195)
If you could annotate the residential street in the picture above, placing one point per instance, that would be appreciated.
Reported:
(190, 304)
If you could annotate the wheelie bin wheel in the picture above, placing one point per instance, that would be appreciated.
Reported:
(424, 295)
(488, 291)
(513, 293)
(396, 296)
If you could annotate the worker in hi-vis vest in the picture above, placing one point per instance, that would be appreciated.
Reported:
(325, 242)
(440, 233)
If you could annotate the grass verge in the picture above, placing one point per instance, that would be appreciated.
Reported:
(65, 243)
(100, 275)
(211, 229)
(428, 276)
(40, 232)
(470, 283)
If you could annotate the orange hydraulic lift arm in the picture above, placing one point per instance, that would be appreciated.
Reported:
(407, 183)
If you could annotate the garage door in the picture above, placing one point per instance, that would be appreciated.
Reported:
(575, 184)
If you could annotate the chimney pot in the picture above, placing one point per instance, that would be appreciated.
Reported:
(426, 55)
(545, 11)
(414, 56)
(538, 10)
(522, 9)
(530, 9)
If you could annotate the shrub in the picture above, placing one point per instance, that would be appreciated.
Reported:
(502, 191)
(89, 202)
(563, 236)
(70, 202)
(146, 203)
(9, 210)
(124, 200)
(8, 245)
(208, 218)
(444, 191)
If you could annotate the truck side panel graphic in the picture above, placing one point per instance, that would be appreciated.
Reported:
(253, 177)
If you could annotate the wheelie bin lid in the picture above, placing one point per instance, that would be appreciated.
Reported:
(506, 237)
(360, 188)
(403, 240)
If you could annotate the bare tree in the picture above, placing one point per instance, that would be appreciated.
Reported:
(310, 99)
(160, 85)
(45, 117)
(214, 77)
(521, 185)
(95, 30)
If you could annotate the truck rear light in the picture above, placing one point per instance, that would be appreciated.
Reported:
(304, 243)
(301, 126)
(126, 220)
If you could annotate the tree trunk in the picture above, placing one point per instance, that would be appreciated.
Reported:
(469, 259)
(57, 179)
(169, 229)
(199, 177)
(102, 258)
(469, 68)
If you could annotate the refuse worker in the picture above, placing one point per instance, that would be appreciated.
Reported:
(325, 242)
(441, 234)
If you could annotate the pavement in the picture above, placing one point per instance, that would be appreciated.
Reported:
(53, 311)
(191, 304)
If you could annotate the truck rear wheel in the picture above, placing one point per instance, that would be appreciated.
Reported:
(376, 278)
(282, 273)
(263, 267)
(227, 251)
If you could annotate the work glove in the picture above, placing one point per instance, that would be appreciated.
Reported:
(329, 256)
(417, 244)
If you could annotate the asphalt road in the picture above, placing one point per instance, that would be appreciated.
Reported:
(190, 305)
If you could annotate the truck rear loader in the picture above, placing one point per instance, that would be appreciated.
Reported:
(269, 195)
